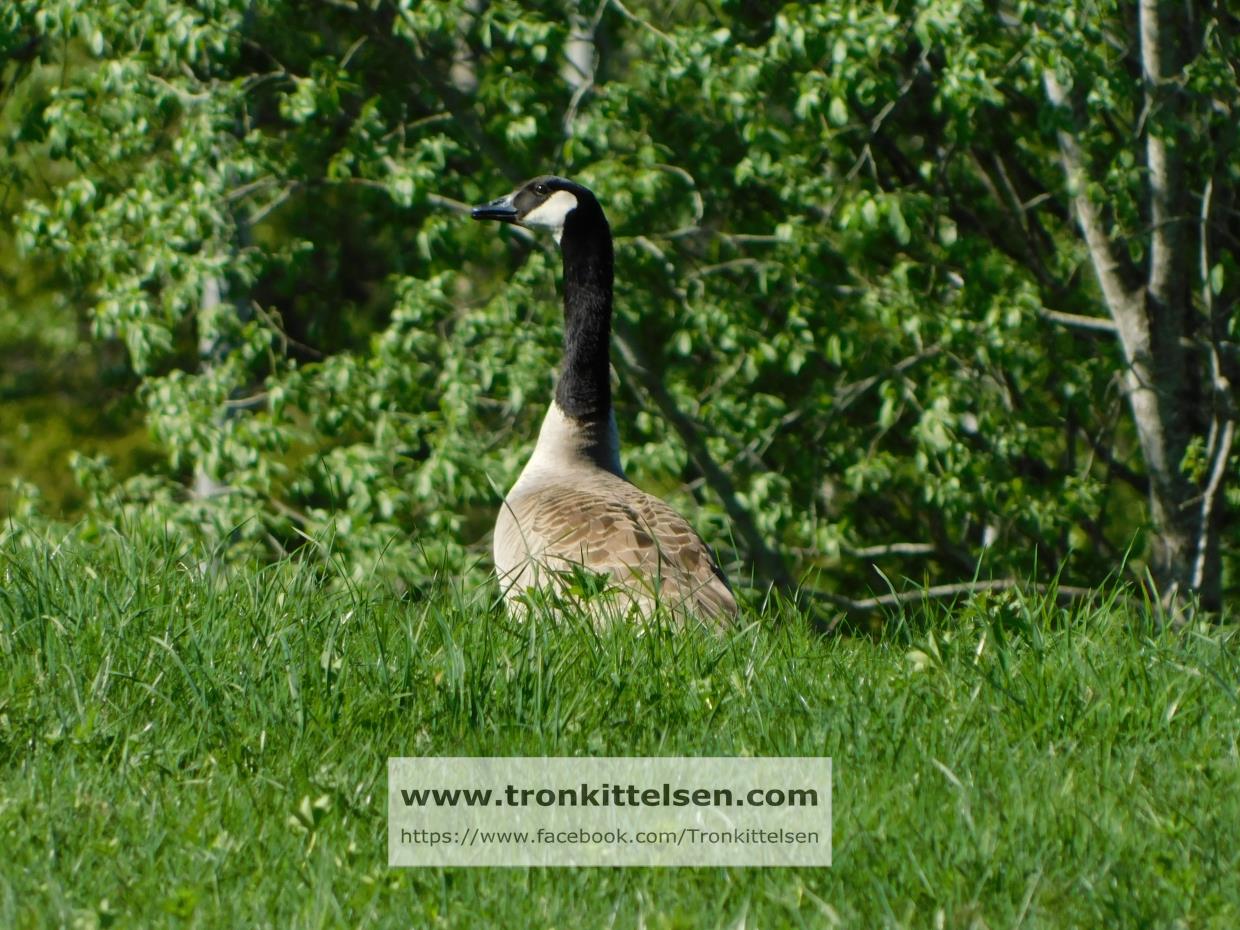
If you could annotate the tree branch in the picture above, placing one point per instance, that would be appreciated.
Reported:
(904, 549)
(1110, 267)
(1223, 423)
(847, 394)
(624, 11)
(1209, 499)
(1075, 320)
(770, 566)
(871, 604)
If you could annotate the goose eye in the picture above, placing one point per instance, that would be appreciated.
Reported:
(540, 189)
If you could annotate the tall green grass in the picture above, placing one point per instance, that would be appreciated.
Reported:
(187, 746)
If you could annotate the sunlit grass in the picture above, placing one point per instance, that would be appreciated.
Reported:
(180, 748)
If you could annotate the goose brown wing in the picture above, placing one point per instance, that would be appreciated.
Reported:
(631, 535)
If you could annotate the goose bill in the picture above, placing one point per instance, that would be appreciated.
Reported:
(501, 209)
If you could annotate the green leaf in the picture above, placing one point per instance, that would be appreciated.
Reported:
(837, 111)
(1216, 279)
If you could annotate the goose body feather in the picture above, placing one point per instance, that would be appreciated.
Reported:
(573, 506)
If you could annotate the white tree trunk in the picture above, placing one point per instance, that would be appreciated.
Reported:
(1163, 382)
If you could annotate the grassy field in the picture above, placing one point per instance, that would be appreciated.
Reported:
(181, 750)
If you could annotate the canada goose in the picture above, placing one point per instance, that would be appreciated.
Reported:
(571, 504)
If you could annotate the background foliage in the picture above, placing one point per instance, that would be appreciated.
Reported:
(846, 258)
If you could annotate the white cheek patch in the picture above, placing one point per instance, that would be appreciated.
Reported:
(551, 212)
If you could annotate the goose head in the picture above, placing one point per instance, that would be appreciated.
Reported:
(546, 202)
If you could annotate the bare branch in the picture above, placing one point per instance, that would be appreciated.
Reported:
(1223, 424)
(288, 340)
(1203, 238)
(1108, 265)
(904, 548)
(758, 238)
(1075, 320)
(871, 604)
(669, 269)
(1032, 242)
(1209, 499)
(351, 51)
(699, 206)
(735, 264)
(243, 191)
(623, 10)
(252, 402)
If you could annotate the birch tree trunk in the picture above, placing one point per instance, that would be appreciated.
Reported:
(210, 352)
(1174, 379)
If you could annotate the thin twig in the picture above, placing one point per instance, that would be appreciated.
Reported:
(458, 104)
(699, 207)
(185, 96)
(264, 211)
(288, 340)
(351, 51)
(847, 394)
(624, 11)
(866, 155)
(238, 193)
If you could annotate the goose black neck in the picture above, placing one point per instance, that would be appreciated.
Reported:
(584, 391)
